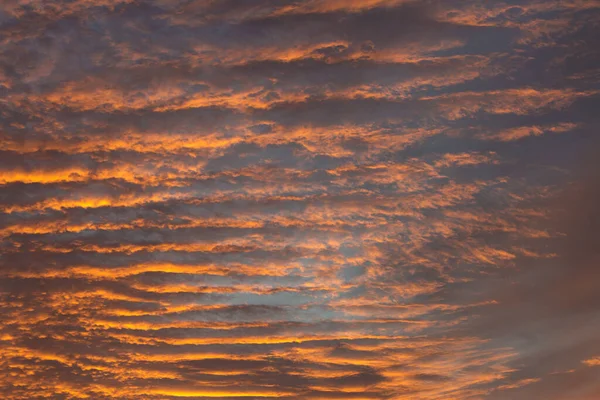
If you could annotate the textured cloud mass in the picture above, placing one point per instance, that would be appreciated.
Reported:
(300, 199)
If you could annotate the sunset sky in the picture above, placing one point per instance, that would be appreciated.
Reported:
(307, 199)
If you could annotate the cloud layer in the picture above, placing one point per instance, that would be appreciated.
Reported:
(318, 199)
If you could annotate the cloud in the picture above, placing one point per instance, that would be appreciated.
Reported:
(358, 199)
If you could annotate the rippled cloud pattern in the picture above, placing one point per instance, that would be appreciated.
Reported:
(300, 199)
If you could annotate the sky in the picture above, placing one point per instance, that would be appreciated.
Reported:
(300, 199)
